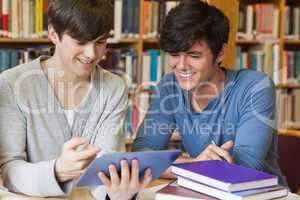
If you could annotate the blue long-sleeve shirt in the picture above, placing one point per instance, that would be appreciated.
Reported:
(243, 112)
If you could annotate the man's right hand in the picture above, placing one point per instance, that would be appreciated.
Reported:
(71, 163)
(213, 152)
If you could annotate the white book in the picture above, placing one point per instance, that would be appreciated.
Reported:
(143, 106)
(276, 64)
(129, 68)
(275, 27)
(260, 60)
(255, 194)
(146, 69)
(117, 19)
(296, 20)
(25, 15)
(14, 18)
(245, 60)
(249, 21)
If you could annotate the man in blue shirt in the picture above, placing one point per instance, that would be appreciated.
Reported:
(220, 114)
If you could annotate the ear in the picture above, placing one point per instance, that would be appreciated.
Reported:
(221, 54)
(53, 36)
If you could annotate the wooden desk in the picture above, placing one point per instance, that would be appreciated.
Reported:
(83, 194)
(77, 194)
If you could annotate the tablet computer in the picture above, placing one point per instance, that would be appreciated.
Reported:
(158, 161)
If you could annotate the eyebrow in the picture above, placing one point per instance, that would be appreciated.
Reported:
(194, 52)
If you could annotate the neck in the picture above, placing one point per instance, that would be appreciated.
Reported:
(55, 70)
(69, 89)
(201, 96)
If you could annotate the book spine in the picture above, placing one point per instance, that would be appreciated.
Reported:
(1, 16)
(5, 15)
(118, 19)
(45, 18)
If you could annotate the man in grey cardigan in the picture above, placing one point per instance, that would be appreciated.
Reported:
(57, 113)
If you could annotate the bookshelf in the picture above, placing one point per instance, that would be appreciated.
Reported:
(24, 40)
(141, 39)
(286, 36)
(289, 132)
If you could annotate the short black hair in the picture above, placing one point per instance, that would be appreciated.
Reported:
(83, 20)
(194, 21)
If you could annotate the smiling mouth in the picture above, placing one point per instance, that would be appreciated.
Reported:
(185, 75)
(85, 62)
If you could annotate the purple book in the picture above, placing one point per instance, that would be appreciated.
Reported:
(224, 176)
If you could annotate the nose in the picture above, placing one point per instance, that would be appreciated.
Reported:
(89, 51)
(181, 62)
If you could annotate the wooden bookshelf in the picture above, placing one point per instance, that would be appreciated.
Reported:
(284, 42)
(288, 86)
(290, 132)
(248, 41)
(254, 41)
(25, 40)
(47, 41)
(292, 41)
(151, 40)
(123, 40)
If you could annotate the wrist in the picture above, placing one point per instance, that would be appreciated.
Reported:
(57, 171)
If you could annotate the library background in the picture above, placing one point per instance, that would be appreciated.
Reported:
(265, 36)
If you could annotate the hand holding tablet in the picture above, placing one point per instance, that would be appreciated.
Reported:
(157, 161)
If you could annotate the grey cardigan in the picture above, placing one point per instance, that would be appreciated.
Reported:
(33, 126)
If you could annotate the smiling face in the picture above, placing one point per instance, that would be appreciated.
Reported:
(76, 58)
(195, 66)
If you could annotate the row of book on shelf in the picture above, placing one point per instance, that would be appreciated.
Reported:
(23, 18)
(292, 22)
(127, 17)
(261, 21)
(216, 179)
(28, 18)
(123, 61)
(12, 57)
(266, 58)
(154, 16)
(288, 109)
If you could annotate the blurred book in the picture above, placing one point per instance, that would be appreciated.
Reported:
(253, 194)
(175, 192)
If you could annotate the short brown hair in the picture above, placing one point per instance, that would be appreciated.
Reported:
(193, 21)
(83, 20)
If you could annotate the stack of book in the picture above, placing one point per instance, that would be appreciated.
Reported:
(220, 180)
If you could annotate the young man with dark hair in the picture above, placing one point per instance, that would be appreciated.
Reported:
(220, 114)
(59, 112)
